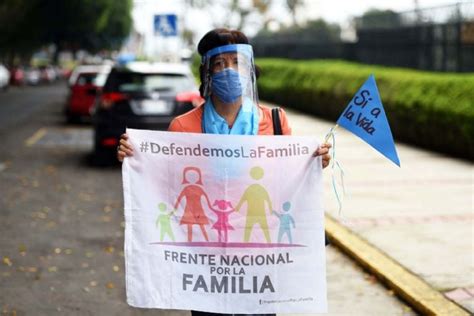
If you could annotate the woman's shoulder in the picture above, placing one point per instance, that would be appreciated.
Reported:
(266, 121)
(267, 110)
(189, 122)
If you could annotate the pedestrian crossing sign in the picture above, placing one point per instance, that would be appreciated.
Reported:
(165, 25)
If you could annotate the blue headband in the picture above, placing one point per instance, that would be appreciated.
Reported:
(241, 48)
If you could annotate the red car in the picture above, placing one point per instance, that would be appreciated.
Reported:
(84, 83)
(17, 76)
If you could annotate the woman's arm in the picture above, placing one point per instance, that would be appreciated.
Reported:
(181, 195)
(243, 199)
(207, 199)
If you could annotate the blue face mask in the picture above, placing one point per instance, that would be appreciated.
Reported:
(227, 85)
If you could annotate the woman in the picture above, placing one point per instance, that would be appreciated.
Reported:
(228, 85)
(193, 211)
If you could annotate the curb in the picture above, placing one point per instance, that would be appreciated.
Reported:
(411, 288)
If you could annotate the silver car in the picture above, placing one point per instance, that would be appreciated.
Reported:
(4, 77)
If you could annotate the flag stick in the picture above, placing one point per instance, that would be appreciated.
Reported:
(331, 130)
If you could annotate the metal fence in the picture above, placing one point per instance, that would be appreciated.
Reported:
(437, 39)
(445, 14)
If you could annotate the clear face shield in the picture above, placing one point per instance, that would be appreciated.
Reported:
(230, 74)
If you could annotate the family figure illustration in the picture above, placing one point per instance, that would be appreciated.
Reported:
(255, 197)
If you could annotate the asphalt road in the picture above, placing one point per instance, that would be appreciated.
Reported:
(61, 221)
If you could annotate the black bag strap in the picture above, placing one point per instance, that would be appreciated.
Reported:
(276, 121)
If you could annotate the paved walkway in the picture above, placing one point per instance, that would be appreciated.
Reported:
(421, 214)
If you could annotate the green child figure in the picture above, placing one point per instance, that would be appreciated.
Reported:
(164, 222)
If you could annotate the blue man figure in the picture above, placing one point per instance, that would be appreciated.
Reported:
(286, 221)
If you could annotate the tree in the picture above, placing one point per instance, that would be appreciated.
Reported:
(235, 8)
(18, 34)
(321, 31)
(262, 7)
(71, 24)
(118, 25)
(375, 18)
(74, 24)
(315, 31)
(293, 7)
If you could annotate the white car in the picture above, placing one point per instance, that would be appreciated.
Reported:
(32, 76)
(4, 77)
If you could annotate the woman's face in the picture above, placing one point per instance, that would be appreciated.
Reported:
(236, 61)
(192, 176)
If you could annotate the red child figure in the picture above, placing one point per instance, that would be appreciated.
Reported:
(222, 224)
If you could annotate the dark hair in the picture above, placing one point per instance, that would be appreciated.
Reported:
(215, 38)
(220, 37)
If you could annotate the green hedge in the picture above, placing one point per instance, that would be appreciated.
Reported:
(432, 110)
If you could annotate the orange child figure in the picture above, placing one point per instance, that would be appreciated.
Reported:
(222, 224)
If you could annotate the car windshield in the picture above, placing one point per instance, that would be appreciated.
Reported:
(100, 79)
(86, 79)
(137, 82)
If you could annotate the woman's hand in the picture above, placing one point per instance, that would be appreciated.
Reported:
(323, 151)
(124, 149)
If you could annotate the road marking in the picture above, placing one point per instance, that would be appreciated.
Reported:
(419, 294)
(461, 294)
(403, 220)
(60, 136)
(35, 137)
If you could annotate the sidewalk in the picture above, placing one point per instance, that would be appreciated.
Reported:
(420, 215)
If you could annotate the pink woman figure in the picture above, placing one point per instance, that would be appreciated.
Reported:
(222, 224)
(193, 210)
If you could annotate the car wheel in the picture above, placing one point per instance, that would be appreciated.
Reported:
(104, 157)
(72, 119)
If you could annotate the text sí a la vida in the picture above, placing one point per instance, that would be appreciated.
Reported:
(361, 101)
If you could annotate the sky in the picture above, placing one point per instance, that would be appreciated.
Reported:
(201, 21)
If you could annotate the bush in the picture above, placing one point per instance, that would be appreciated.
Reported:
(432, 110)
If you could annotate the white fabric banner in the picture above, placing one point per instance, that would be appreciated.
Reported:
(226, 224)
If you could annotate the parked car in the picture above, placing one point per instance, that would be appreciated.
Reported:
(17, 76)
(4, 77)
(32, 76)
(95, 68)
(47, 74)
(85, 83)
(66, 73)
(140, 95)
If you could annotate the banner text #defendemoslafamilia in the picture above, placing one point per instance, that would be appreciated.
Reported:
(223, 152)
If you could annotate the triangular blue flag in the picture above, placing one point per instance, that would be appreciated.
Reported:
(365, 117)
